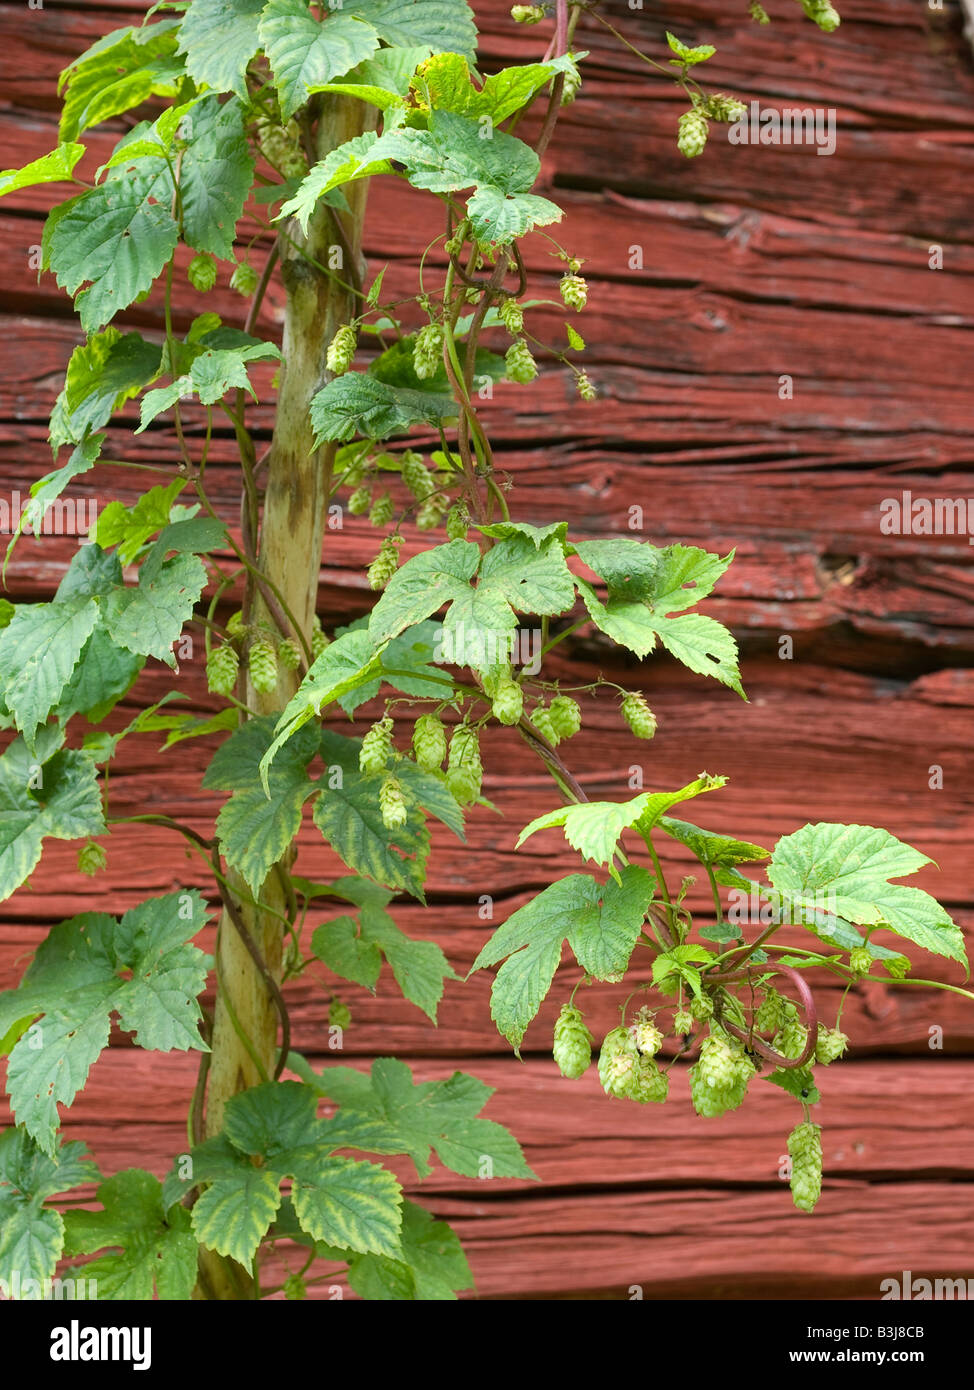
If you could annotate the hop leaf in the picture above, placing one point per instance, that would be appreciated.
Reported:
(511, 316)
(415, 475)
(457, 523)
(262, 660)
(829, 1045)
(805, 1148)
(385, 564)
(464, 772)
(376, 747)
(618, 1063)
(381, 513)
(221, 670)
(392, 803)
(572, 1049)
(360, 500)
(565, 716)
(638, 715)
(244, 279)
(574, 291)
(201, 272)
(92, 858)
(650, 1084)
(692, 135)
(428, 351)
(429, 742)
(519, 364)
(508, 701)
(341, 351)
(289, 654)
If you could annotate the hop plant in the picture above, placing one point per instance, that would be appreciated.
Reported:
(282, 147)
(385, 564)
(768, 1016)
(392, 803)
(457, 523)
(244, 279)
(376, 746)
(431, 511)
(646, 1035)
(724, 108)
(201, 272)
(511, 316)
(543, 722)
(429, 742)
(415, 475)
(692, 135)
(701, 1009)
(574, 291)
(341, 351)
(758, 13)
(464, 772)
(428, 351)
(235, 625)
(295, 1288)
(527, 14)
(805, 1148)
(638, 715)
(618, 1063)
(92, 858)
(289, 654)
(792, 1034)
(650, 1083)
(683, 1022)
(829, 1045)
(508, 701)
(565, 716)
(519, 364)
(571, 85)
(860, 961)
(318, 639)
(381, 513)
(822, 13)
(719, 1077)
(360, 500)
(572, 1048)
(339, 1014)
(221, 669)
(585, 388)
(262, 660)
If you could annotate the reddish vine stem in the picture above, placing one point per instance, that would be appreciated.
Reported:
(811, 1024)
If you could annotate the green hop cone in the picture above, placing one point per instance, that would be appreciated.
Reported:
(201, 272)
(719, 1077)
(415, 475)
(574, 292)
(431, 511)
(638, 715)
(572, 1048)
(822, 13)
(244, 279)
(385, 564)
(221, 670)
(792, 1034)
(295, 1288)
(235, 625)
(646, 1035)
(585, 388)
(769, 1015)
(542, 721)
(805, 1148)
(692, 134)
(683, 1022)
(464, 772)
(618, 1063)
(341, 350)
(519, 365)
(565, 716)
(511, 316)
(91, 858)
(702, 1008)
(289, 654)
(457, 523)
(381, 513)
(860, 961)
(650, 1084)
(319, 641)
(829, 1045)
(392, 803)
(376, 746)
(720, 107)
(508, 701)
(339, 1014)
(360, 500)
(262, 660)
(428, 351)
(758, 13)
(572, 84)
(527, 14)
(429, 742)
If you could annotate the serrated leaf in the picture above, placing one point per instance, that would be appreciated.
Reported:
(61, 799)
(349, 818)
(445, 25)
(421, 586)
(798, 1082)
(157, 1250)
(420, 967)
(117, 73)
(358, 403)
(50, 168)
(32, 1235)
(432, 1266)
(352, 160)
(445, 83)
(338, 945)
(149, 617)
(305, 53)
(688, 54)
(38, 652)
(219, 38)
(104, 673)
(601, 923)
(709, 848)
(103, 373)
(212, 374)
(383, 81)
(349, 1203)
(232, 1215)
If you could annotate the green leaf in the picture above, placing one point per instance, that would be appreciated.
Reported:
(432, 1267)
(50, 168)
(395, 368)
(594, 827)
(306, 53)
(38, 652)
(115, 240)
(77, 981)
(149, 617)
(117, 73)
(405, 664)
(348, 816)
(445, 82)
(213, 373)
(157, 1251)
(129, 528)
(32, 1235)
(338, 945)
(721, 850)
(444, 25)
(104, 673)
(382, 80)
(357, 403)
(233, 1214)
(219, 38)
(704, 645)
(420, 967)
(421, 586)
(215, 176)
(601, 923)
(689, 55)
(798, 1082)
(352, 160)
(844, 869)
(349, 1203)
(61, 799)
(103, 373)
(677, 963)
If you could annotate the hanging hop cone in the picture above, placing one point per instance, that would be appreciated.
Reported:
(511, 316)
(860, 961)
(650, 1084)
(262, 660)
(341, 350)
(792, 1034)
(720, 107)
(385, 564)
(508, 701)
(339, 1014)
(701, 1009)
(431, 511)
(646, 1035)
(201, 272)
(638, 715)
(758, 13)
(360, 500)
(91, 858)
(429, 742)
(221, 670)
(683, 1022)
(574, 292)
(295, 1288)
(319, 641)
(415, 475)
(519, 365)
(572, 1049)
(822, 13)
(392, 803)
(527, 14)
(585, 388)
(244, 279)
(464, 772)
(289, 654)
(565, 715)
(618, 1062)
(457, 523)
(829, 1045)
(692, 134)
(381, 513)
(719, 1077)
(805, 1148)
(235, 625)
(428, 351)
(542, 721)
(376, 746)
(769, 1015)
